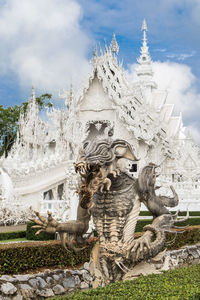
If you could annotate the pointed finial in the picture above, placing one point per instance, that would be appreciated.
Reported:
(144, 25)
(95, 53)
(144, 70)
(114, 47)
(144, 29)
(70, 96)
(144, 57)
(71, 91)
(100, 50)
(106, 47)
(33, 92)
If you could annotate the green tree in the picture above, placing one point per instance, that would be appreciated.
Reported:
(9, 118)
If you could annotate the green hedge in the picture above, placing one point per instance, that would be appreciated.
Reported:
(190, 221)
(181, 213)
(17, 258)
(191, 236)
(20, 257)
(42, 236)
(183, 283)
(12, 235)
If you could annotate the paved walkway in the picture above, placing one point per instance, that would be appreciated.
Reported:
(12, 228)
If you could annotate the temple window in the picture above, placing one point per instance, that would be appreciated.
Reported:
(60, 191)
(48, 195)
(133, 168)
(52, 146)
(113, 73)
(172, 177)
(30, 151)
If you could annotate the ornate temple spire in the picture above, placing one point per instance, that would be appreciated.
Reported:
(33, 93)
(32, 105)
(114, 47)
(69, 97)
(144, 71)
(144, 25)
(71, 92)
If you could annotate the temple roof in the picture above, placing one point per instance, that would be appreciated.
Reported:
(147, 121)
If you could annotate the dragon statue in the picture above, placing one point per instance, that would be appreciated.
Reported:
(113, 197)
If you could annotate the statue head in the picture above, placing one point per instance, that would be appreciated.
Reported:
(103, 153)
(98, 162)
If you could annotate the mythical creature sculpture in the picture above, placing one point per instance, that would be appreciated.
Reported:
(113, 198)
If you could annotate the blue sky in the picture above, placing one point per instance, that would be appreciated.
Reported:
(48, 43)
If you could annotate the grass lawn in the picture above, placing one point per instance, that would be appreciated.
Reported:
(182, 284)
(14, 240)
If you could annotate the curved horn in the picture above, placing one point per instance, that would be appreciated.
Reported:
(170, 202)
(123, 149)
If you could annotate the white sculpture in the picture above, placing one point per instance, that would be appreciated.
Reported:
(6, 186)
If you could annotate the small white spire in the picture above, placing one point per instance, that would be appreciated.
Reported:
(33, 93)
(33, 105)
(95, 52)
(144, 70)
(70, 96)
(114, 47)
(144, 25)
(106, 47)
(100, 50)
(144, 57)
(71, 92)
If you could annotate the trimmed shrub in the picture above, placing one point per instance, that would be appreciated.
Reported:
(190, 222)
(181, 213)
(183, 283)
(12, 235)
(19, 257)
(42, 236)
(190, 236)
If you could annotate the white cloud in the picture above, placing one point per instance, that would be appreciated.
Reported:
(194, 132)
(160, 50)
(179, 81)
(181, 56)
(42, 42)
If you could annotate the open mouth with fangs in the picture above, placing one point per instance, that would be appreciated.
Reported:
(93, 177)
(86, 170)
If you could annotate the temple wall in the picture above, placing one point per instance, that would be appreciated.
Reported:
(96, 99)
(32, 200)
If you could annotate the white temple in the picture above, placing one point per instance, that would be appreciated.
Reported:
(40, 163)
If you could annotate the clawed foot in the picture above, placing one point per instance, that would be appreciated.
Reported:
(136, 248)
(140, 246)
(44, 224)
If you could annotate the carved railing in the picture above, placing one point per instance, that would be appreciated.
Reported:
(52, 205)
(187, 186)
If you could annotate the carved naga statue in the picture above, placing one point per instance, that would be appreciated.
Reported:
(113, 198)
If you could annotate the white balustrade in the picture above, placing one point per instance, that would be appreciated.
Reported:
(52, 205)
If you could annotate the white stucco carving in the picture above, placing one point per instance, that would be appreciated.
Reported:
(42, 157)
